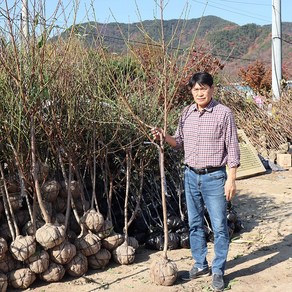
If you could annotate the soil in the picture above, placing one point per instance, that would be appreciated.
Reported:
(260, 256)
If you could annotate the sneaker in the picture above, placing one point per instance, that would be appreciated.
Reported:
(195, 273)
(217, 283)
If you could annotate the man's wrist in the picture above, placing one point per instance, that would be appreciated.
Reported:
(232, 173)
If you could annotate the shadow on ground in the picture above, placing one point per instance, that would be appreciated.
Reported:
(279, 252)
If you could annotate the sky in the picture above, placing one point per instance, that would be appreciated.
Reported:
(130, 11)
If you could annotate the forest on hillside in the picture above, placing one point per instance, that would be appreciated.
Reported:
(237, 46)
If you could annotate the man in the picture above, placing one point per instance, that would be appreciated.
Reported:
(208, 136)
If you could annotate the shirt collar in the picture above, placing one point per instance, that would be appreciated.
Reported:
(208, 108)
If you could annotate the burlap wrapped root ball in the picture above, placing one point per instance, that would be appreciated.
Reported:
(23, 247)
(106, 229)
(21, 278)
(124, 254)
(28, 229)
(39, 261)
(99, 260)
(42, 170)
(71, 236)
(21, 217)
(92, 220)
(8, 263)
(60, 205)
(81, 205)
(3, 247)
(113, 241)
(50, 235)
(63, 253)
(88, 244)
(50, 190)
(54, 273)
(59, 219)
(5, 231)
(15, 201)
(163, 272)
(3, 282)
(74, 188)
(77, 266)
(132, 241)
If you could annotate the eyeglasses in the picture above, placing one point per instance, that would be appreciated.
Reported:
(198, 89)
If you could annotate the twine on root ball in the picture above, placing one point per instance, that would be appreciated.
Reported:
(3, 282)
(39, 261)
(23, 247)
(21, 278)
(99, 260)
(63, 253)
(113, 241)
(50, 235)
(92, 220)
(88, 243)
(54, 273)
(163, 272)
(124, 254)
(77, 266)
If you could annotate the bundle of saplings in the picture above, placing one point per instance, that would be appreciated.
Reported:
(41, 239)
(45, 251)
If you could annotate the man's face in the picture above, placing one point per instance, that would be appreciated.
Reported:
(202, 95)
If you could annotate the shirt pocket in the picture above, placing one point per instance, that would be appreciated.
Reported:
(213, 133)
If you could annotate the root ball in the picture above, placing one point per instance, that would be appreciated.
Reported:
(39, 262)
(163, 272)
(50, 190)
(3, 247)
(77, 266)
(124, 254)
(54, 273)
(93, 220)
(23, 247)
(8, 263)
(113, 241)
(50, 235)
(3, 282)
(88, 244)
(99, 260)
(21, 278)
(63, 253)
(106, 229)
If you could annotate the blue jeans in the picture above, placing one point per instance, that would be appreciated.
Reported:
(208, 190)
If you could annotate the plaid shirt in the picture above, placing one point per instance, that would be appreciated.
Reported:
(209, 138)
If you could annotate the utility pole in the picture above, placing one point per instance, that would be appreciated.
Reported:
(42, 15)
(24, 23)
(276, 49)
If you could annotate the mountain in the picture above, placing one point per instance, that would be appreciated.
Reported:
(235, 45)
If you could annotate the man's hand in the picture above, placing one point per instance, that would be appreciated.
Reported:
(230, 185)
(157, 133)
(230, 189)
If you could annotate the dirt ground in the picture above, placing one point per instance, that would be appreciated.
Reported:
(260, 257)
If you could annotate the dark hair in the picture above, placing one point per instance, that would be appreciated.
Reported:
(201, 78)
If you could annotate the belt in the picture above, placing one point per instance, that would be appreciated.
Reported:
(204, 170)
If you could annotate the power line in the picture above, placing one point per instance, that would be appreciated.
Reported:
(174, 48)
(288, 42)
(247, 3)
(232, 11)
